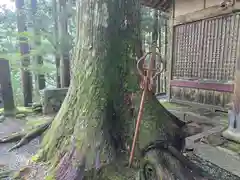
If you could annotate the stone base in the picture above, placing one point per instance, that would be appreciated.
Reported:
(53, 99)
(192, 129)
(8, 113)
(232, 135)
(220, 164)
(190, 142)
(233, 130)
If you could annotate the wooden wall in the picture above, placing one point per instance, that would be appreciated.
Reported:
(201, 97)
(183, 7)
(193, 10)
(206, 43)
(208, 97)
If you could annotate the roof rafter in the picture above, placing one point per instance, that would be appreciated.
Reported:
(164, 5)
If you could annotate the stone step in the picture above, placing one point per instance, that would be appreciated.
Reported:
(190, 142)
(221, 159)
(180, 115)
(188, 117)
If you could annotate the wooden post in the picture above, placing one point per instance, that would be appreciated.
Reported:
(160, 48)
(166, 54)
(154, 44)
(6, 88)
(26, 74)
(171, 43)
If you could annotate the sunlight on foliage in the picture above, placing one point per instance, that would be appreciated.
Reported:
(35, 158)
(20, 110)
(10, 39)
(169, 105)
(35, 121)
(24, 110)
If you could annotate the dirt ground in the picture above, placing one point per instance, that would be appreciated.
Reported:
(18, 159)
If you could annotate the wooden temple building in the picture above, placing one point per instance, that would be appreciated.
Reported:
(203, 50)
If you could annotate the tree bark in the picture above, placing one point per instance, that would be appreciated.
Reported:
(56, 41)
(24, 49)
(40, 78)
(6, 88)
(94, 127)
(64, 44)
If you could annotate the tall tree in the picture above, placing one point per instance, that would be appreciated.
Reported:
(90, 137)
(6, 88)
(39, 77)
(56, 41)
(64, 44)
(95, 124)
(24, 49)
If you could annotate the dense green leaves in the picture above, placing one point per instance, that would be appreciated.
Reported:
(49, 46)
(9, 43)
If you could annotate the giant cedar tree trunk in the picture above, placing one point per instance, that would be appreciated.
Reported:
(24, 49)
(94, 126)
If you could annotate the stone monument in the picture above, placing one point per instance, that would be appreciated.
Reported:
(52, 99)
(6, 88)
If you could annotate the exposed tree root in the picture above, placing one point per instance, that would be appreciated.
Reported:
(5, 174)
(25, 137)
(190, 168)
(176, 120)
(13, 138)
(37, 108)
(22, 173)
(67, 169)
(38, 131)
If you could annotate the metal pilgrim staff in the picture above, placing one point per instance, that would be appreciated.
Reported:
(148, 75)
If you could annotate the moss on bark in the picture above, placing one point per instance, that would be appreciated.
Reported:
(94, 126)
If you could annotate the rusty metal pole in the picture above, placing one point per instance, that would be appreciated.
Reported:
(147, 87)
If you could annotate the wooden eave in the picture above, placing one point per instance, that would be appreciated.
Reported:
(163, 5)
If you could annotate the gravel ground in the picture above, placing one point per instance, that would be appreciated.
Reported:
(18, 158)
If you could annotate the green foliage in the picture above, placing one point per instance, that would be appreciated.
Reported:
(147, 23)
(49, 46)
(35, 158)
(169, 105)
(50, 177)
(47, 49)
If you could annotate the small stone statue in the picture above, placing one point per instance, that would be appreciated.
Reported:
(52, 99)
(233, 130)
